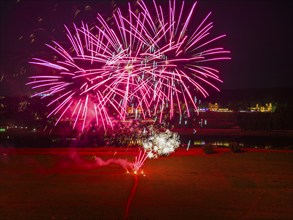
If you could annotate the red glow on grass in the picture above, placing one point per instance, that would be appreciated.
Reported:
(131, 195)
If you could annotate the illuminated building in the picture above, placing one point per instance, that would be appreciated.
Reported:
(268, 107)
(213, 107)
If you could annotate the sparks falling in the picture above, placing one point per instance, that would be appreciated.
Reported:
(157, 144)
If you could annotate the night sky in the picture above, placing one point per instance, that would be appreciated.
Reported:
(259, 35)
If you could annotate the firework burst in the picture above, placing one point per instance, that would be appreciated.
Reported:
(158, 144)
(148, 59)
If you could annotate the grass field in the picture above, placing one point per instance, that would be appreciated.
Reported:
(47, 183)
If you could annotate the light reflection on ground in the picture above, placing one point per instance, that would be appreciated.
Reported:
(254, 184)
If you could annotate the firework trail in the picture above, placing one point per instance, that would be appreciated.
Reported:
(139, 160)
(148, 59)
(130, 198)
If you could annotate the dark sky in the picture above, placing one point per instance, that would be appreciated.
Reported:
(259, 35)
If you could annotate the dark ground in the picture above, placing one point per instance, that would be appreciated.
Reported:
(50, 184)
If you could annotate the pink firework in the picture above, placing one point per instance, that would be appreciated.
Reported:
(148, 60)
(79, 81)
(177, 56)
